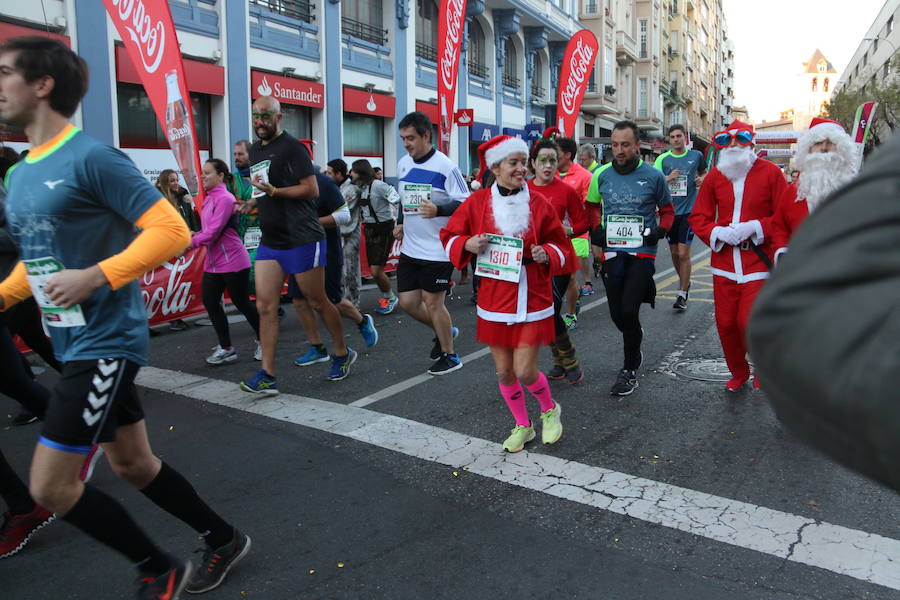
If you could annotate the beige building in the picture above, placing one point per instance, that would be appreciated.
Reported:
(661, 62)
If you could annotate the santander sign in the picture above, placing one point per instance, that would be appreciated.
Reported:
(581, 52)
(148, 36)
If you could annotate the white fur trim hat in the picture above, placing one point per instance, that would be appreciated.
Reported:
(824, 129)
(496, 149)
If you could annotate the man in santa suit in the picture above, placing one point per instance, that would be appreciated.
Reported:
(733, 216)
(827, 159)
(520, 244)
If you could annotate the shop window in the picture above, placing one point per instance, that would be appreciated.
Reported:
(363, 136)
(139, 127)
(297, 121)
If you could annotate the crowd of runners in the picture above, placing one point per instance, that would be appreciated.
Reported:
(533, 219)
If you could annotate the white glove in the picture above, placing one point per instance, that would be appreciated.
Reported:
(744, 231)
(729, 235)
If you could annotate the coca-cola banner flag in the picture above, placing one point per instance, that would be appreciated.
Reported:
(577, 63)
(148, 33)
(172, 290)
(450, 29)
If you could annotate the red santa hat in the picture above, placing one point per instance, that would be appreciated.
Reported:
(550, 134)
(496, 149)
(738, 125)
(821, 129)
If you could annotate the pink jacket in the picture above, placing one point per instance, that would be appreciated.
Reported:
(225, 250)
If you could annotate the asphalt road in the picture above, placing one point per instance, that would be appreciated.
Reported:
(347, 494)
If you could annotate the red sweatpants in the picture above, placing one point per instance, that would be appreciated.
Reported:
(733, 304)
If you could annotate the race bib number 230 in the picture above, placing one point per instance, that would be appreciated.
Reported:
(413, 195)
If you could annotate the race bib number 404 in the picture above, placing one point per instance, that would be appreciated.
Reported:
(39, 271)
(413, 195)
(501, 259)
(261, 170)
(624, 231)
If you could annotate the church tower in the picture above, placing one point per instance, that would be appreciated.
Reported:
(815, 83)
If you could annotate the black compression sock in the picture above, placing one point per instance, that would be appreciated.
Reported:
(13, 490)
(174, 494)
(107, 521)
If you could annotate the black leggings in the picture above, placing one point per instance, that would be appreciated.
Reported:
(560, 284)
(24, 320)
(627, 280)
(238, 285)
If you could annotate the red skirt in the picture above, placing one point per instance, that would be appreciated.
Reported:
(516, 335)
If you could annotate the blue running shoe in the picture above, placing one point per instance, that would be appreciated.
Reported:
(340, 365)
(312, 356)
(387, 305)
(261, 383)
(368, 332)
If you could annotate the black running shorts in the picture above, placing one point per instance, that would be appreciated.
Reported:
(680, 232)
(428, 275)
(90, 401)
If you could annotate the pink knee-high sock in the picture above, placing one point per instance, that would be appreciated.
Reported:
(541, 390)
(515, 400)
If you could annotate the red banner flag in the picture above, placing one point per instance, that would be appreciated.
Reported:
(577, 63)
(450, 32)
(149, 36)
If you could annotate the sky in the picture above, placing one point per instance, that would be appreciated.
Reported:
(772, 39)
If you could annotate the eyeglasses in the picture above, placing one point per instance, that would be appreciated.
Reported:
(547, 160)
(263, 116)
(723, 138)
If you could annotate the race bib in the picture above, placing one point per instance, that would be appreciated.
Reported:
(624, 231)
(501, 259)
(678, 186)
(413, 195)
(260, 169)
(39, 271)
(252, 237)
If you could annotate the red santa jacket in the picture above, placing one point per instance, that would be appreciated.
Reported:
(789, 213)
(502, 301)
(722, 202)
(569, 208)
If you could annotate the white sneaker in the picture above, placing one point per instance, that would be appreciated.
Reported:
(221, 355)
(257, 355)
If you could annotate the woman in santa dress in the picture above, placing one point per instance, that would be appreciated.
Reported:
(544, 158)
(515, 298)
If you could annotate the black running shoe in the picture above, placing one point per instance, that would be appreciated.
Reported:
(217, 562)
(556, 373)
(167, 586)
(436, 350)
(625, 383)
(680, 303)
(447, 363)
(25, 417)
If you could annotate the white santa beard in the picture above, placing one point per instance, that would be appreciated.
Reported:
(734, 163)
(512, 214)
(823, 173)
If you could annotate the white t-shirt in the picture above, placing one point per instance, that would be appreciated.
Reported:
(438, 179)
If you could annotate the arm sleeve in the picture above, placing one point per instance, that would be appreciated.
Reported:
(15, 287)
(593, 194)
(213, 225)
(578, 213)
(341, 216)
(556, 244)
(445, 210)
(164, 235)
(456, 188)
(666, 216)
(393, 196)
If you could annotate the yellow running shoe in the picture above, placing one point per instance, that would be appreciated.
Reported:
(551, 426)
(519, 436)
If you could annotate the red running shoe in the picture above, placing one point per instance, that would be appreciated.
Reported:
(18, 529)
(167, 586)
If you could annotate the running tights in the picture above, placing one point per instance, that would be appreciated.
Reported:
(238, 285)
(627, 280)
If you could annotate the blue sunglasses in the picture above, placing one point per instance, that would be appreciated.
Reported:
(723, 138)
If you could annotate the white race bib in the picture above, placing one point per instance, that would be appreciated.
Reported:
(413, 195)
(624, 231)
(252, 236)
(501, 259)
(260, 169)
(678, 186)
(39, 271)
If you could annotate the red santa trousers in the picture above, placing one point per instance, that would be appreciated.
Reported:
(733, 304)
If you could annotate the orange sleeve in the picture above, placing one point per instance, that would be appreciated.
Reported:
(164, 235)
(15, 287)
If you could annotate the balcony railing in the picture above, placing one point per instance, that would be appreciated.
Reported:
(477, 70)
(364, 31)
(302, 10)
(427, 52)
(537, 92)
(510, 81)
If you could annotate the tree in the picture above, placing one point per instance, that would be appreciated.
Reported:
(883, 90)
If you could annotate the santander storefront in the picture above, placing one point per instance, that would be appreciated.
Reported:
(298, 98)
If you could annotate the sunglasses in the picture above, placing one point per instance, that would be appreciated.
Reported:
(723, 138)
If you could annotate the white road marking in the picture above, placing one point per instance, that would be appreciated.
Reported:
(417, 379)
(865, 556)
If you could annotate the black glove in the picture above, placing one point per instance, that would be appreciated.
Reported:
(653, 235)
(598, 236)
